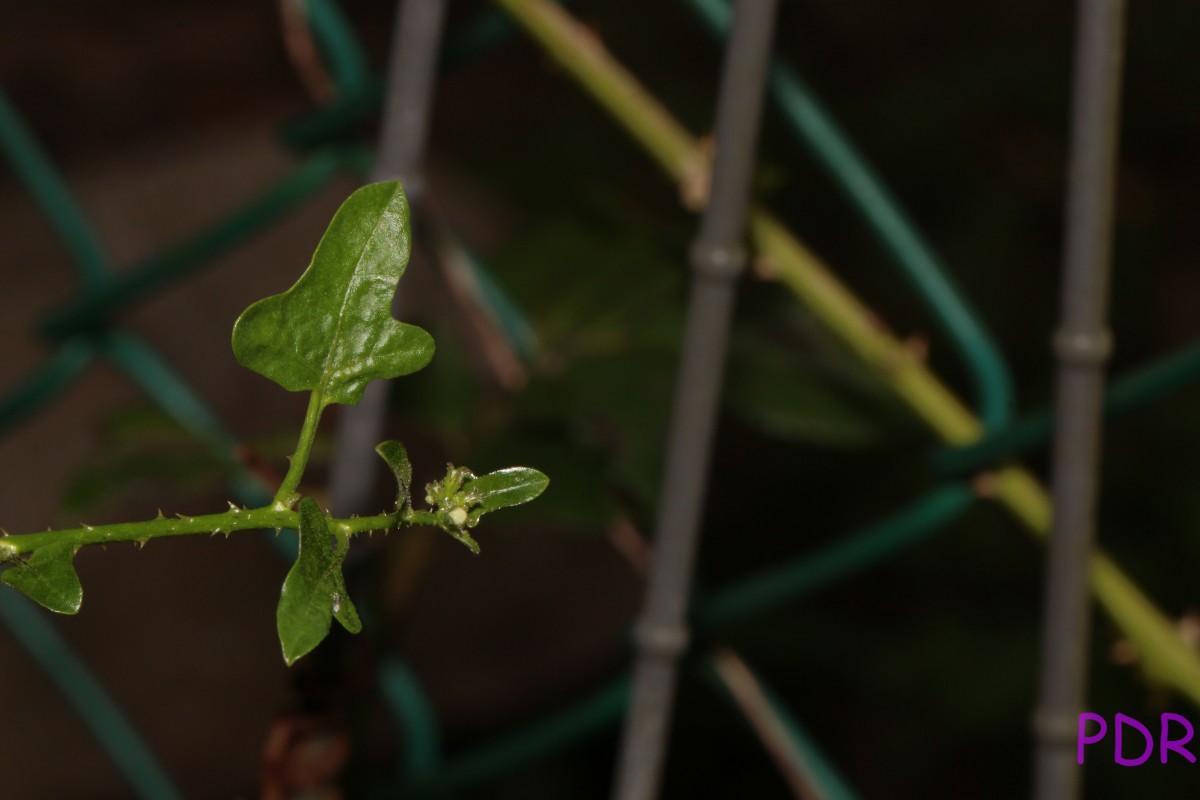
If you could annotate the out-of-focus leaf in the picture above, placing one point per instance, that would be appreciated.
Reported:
(49, 577)
(314, 591)
(592, 308)
(797, 409)
(333, 331)
(631, 426)
(141, 446)
(784, 394)
(444, 399)
(114, 474)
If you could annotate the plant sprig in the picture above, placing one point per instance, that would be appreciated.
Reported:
(330, 334)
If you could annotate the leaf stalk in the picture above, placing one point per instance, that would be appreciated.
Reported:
(286, 496)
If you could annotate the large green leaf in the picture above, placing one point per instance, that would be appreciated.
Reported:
(333, 332)
(49, 577)
(314, 591)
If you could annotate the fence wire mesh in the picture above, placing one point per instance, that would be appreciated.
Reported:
(83, 331)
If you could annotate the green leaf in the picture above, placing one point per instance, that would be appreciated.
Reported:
(461, 499)
(314, 591)
(784, 395)
(506, 487)
(333, 332)
(49, 577)
(397, 458)
(462, 536)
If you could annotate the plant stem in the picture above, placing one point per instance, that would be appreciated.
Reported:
(232, 521)
(583, 57)
(413, 517)
(286, 496)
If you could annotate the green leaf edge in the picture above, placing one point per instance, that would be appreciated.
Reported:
(255, 357)
(396, 456)
(314, 531)
(29, 578)
(533, 483)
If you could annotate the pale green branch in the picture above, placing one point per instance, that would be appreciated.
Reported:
(583, 58)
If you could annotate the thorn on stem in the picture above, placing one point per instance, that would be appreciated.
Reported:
(986, 485)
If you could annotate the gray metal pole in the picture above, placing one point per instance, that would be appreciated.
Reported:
(717, 260)
(1082, 344)
(412, 72)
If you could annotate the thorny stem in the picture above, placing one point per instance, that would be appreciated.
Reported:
(278, 515)
(231, 521)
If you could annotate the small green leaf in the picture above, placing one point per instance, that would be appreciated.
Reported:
(464, 537)
(397, 458)
(506, 487)
(333, 331)
(314, 591)
(460, 499)
(49, 577)
(344, 611)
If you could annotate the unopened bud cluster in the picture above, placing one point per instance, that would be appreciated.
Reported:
(451, 500)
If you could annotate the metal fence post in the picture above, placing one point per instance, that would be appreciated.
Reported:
(718, 259)
(1082, 344)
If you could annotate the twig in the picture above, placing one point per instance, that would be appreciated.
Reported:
(748, 693)
(584, 59)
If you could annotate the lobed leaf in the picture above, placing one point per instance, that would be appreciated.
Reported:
(314, 592)
(333, 331)
(49, 577)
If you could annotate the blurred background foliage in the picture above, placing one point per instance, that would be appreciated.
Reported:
(916, 676)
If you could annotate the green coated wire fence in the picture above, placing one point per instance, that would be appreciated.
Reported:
(83, 331)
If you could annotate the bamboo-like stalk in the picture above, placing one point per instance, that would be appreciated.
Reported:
(407, 104)
(718, 259)
(583, 58)
(1082, 346)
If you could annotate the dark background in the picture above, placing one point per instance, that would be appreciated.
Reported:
(916, 677)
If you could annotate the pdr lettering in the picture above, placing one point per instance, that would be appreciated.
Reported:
(1133, 742)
